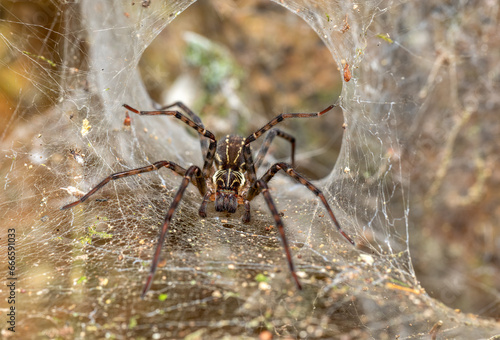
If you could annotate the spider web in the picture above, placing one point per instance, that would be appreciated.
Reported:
(80, 272)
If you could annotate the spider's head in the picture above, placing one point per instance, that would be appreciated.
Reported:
(227, 183)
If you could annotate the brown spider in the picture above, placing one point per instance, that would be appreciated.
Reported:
(232, 181)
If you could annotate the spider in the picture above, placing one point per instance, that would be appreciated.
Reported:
(231, 181)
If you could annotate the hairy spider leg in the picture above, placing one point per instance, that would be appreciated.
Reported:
(209, 156)
(264, 189)
(193, 170)
(194, 117)
(267, 142)
(299, 178)
(262, 185)
(246, 216)
(281, 118)
(251, 174)
(278, 119)
(199, 182)
(203, 206)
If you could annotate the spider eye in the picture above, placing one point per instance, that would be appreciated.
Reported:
(218, 178)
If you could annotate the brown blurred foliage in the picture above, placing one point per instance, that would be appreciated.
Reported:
(26, 88)
(454, 156)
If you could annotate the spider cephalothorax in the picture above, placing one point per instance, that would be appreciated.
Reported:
(231, 181)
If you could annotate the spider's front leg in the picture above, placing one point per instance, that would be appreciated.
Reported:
(261, 187)
(203, 206)
(190, 172)
(246, 216)
(287, 169)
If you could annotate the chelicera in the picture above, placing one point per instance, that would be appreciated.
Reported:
(228, 176)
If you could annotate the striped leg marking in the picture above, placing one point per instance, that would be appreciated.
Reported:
(188, 177)
(281, 229)
(209, 157)
(282, 117)
(153, 167)
(194, 117)
(267, 142)
(299, 178)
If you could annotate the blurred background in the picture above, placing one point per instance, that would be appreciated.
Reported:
(450, 151)
(234, 44)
